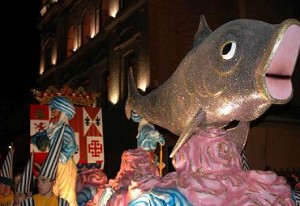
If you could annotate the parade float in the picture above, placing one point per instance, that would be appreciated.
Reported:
(234, 73)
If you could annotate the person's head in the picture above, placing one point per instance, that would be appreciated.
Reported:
(45, 186)
(17, 180)
(56, 116)
(18, 196)
(5, 186)
(5, 189)
(61, 107)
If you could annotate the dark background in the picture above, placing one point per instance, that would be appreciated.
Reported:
(20, 43)
(20, 65)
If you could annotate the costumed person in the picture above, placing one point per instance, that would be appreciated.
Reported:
(63, 110)
(22, 183)
(6, 179)
(46, 178)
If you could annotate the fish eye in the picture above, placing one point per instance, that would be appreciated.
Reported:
(228, 50)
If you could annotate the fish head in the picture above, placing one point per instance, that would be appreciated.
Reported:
(243, 67)
(278, 63)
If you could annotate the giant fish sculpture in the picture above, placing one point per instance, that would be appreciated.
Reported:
(234, 73)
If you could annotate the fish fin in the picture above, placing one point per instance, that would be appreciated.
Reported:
(202, 32)
(132, 92)
(199, 118)
(238, 135)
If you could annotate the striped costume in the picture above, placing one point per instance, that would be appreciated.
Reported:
(65, 185)
(66, 174)
(296, 196)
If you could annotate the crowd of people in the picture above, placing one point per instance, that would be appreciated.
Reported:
(53, 186)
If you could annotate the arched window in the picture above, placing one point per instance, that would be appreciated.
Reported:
(104, 14)
(87, 26)
(48, 54)
(54, 53)
(72, 40)
(129, 62)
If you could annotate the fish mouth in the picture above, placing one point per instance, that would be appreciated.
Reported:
(281, 68)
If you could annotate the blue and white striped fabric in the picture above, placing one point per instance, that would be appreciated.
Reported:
(28, 202)
(64, 105)
(69, 146)
(63, 202)
(7, 166)
(49, 167)
(25, 181)
(296, 196)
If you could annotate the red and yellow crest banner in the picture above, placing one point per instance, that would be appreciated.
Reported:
(88, 128)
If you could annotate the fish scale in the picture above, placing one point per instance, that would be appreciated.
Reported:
(224, 78)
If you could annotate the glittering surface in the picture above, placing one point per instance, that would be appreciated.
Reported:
(228, 75)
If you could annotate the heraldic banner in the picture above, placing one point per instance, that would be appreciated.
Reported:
(88, 128)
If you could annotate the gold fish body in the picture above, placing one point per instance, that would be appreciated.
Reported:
(234, 73)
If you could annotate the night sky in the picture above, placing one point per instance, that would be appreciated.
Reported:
(20, 56)
(19, 66)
